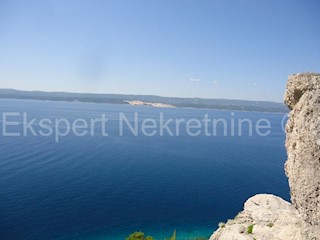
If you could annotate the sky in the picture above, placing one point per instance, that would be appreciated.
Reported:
(234, 49)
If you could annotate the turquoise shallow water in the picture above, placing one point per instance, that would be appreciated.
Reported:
(98, 187)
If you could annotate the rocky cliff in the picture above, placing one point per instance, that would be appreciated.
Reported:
(303, 144)
(268, 217)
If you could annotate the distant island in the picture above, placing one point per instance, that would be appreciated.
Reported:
(148, 100)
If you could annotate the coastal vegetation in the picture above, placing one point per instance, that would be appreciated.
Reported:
(141, 236)
(138, 236)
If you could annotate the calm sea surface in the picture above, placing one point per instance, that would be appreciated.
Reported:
(105, 187)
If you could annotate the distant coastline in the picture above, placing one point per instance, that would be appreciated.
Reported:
(148, 100)
(151, 104)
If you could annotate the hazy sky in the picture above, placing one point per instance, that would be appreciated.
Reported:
(187, 48)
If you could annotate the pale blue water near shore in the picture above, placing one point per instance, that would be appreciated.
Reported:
(107, 187)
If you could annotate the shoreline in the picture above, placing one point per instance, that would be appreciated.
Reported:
(150, 106)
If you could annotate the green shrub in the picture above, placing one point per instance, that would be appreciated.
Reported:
(221, 224)
(250, 229)
(138, 236)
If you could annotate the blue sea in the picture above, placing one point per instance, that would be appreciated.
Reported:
(106, 187)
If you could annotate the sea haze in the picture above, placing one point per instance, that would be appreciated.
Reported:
(105, 187)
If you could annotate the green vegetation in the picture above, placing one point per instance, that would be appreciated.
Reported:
(250, 229)
(221, 224)
(174, 235)
(138, 236)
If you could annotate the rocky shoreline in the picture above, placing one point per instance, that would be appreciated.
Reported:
(268, 217)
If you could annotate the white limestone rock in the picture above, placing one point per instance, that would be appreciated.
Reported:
(272, 218)
(302, 143)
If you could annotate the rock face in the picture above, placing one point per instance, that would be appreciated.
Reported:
(267, 217)
(303, 144)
